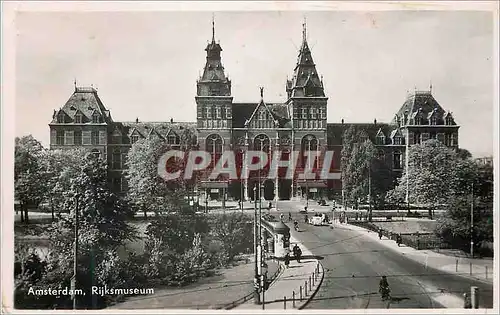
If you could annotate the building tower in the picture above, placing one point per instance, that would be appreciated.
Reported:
(308, 105)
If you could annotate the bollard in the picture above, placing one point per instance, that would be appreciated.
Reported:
(467, 301)
(470, 268)
(486, 271)
(305, 289)
(284, 302)
(456, 265)
(293, 299)
(474, 297)
(311, 283)
(301, 293)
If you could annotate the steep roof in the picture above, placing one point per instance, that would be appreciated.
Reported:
(335, 131)
(305, 81)
(86, 101)
(243, 112)
(420, 103)
(162, 129)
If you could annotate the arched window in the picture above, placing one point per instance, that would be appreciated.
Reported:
(309, 143)
(261, 143)
(214, 147)
(380, 139)
(96, 118)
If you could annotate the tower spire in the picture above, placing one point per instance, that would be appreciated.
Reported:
(430, 86)
(261, 93)
(304, 30)
(213, 28)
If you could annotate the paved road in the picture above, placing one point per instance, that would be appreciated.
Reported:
(354, 263)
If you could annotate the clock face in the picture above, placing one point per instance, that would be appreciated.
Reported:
(285, 141)
(241, 140)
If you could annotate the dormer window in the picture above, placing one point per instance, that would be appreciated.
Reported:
(380, 140)
(418, 120)
(449, 120)
(433, 120)
(397, 140)
(134, 138)
(78, 118)
(61, 118)
(173, 139)
(96, 118)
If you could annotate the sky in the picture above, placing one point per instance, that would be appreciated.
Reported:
(145, 64)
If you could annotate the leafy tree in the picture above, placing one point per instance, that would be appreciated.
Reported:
(474, 193)
(147, 190)
(61, 167)
(231, 231)
(29, 175)
(434, 173)
(102, 229)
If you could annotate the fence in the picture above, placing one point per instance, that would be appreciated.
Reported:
(302, 294)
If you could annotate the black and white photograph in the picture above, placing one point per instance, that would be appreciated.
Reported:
(244, 156)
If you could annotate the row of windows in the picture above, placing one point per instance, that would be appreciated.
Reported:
(434, 120)
(311, 124)
(446, 138)
(214, 124)
(77, 137)
(216, 112)
(311, 112)
(381, 140)
(118, 160)
(79, 118)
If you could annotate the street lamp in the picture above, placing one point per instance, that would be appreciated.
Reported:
(472, 221)
(264, 269)
(256, 251)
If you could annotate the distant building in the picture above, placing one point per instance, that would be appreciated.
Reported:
(297, 124)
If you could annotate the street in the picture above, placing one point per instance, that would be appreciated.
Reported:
(354, 264)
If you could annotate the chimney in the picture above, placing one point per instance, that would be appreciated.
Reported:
(137, 120)
(342, 121)
(171, 120)
(375, 121)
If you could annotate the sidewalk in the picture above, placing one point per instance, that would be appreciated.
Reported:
(479, 269)
(305, 277)
(216, 292)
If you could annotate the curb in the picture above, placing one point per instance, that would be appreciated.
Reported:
(231, 305)
(466, 276)
(322, 274)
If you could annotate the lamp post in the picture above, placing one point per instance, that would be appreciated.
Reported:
(263, 282)
(75, 255)
(256, 249)
(369, 191)
(472, 222)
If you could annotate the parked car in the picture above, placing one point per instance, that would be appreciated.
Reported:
(317, 219)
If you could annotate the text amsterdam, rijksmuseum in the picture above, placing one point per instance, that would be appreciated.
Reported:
(297, 124)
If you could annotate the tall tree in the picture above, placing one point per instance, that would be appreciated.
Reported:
(29, 174)
(434, 173)
(147, 190)
(101, 225)
(61, 167)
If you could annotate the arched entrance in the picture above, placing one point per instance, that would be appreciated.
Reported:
(284, 189)
(269, 190)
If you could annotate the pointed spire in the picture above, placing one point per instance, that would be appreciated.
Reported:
(213, 28)
(430, 87)
(304, 30)
(74, 83)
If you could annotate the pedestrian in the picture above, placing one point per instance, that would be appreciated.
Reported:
(297, 252)
(357, 216)
(282, 217)
(384, 289)
(287, 260)
(380, 234)
(270, 205)
(289, 216)
(467, 301)
(398, 239)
